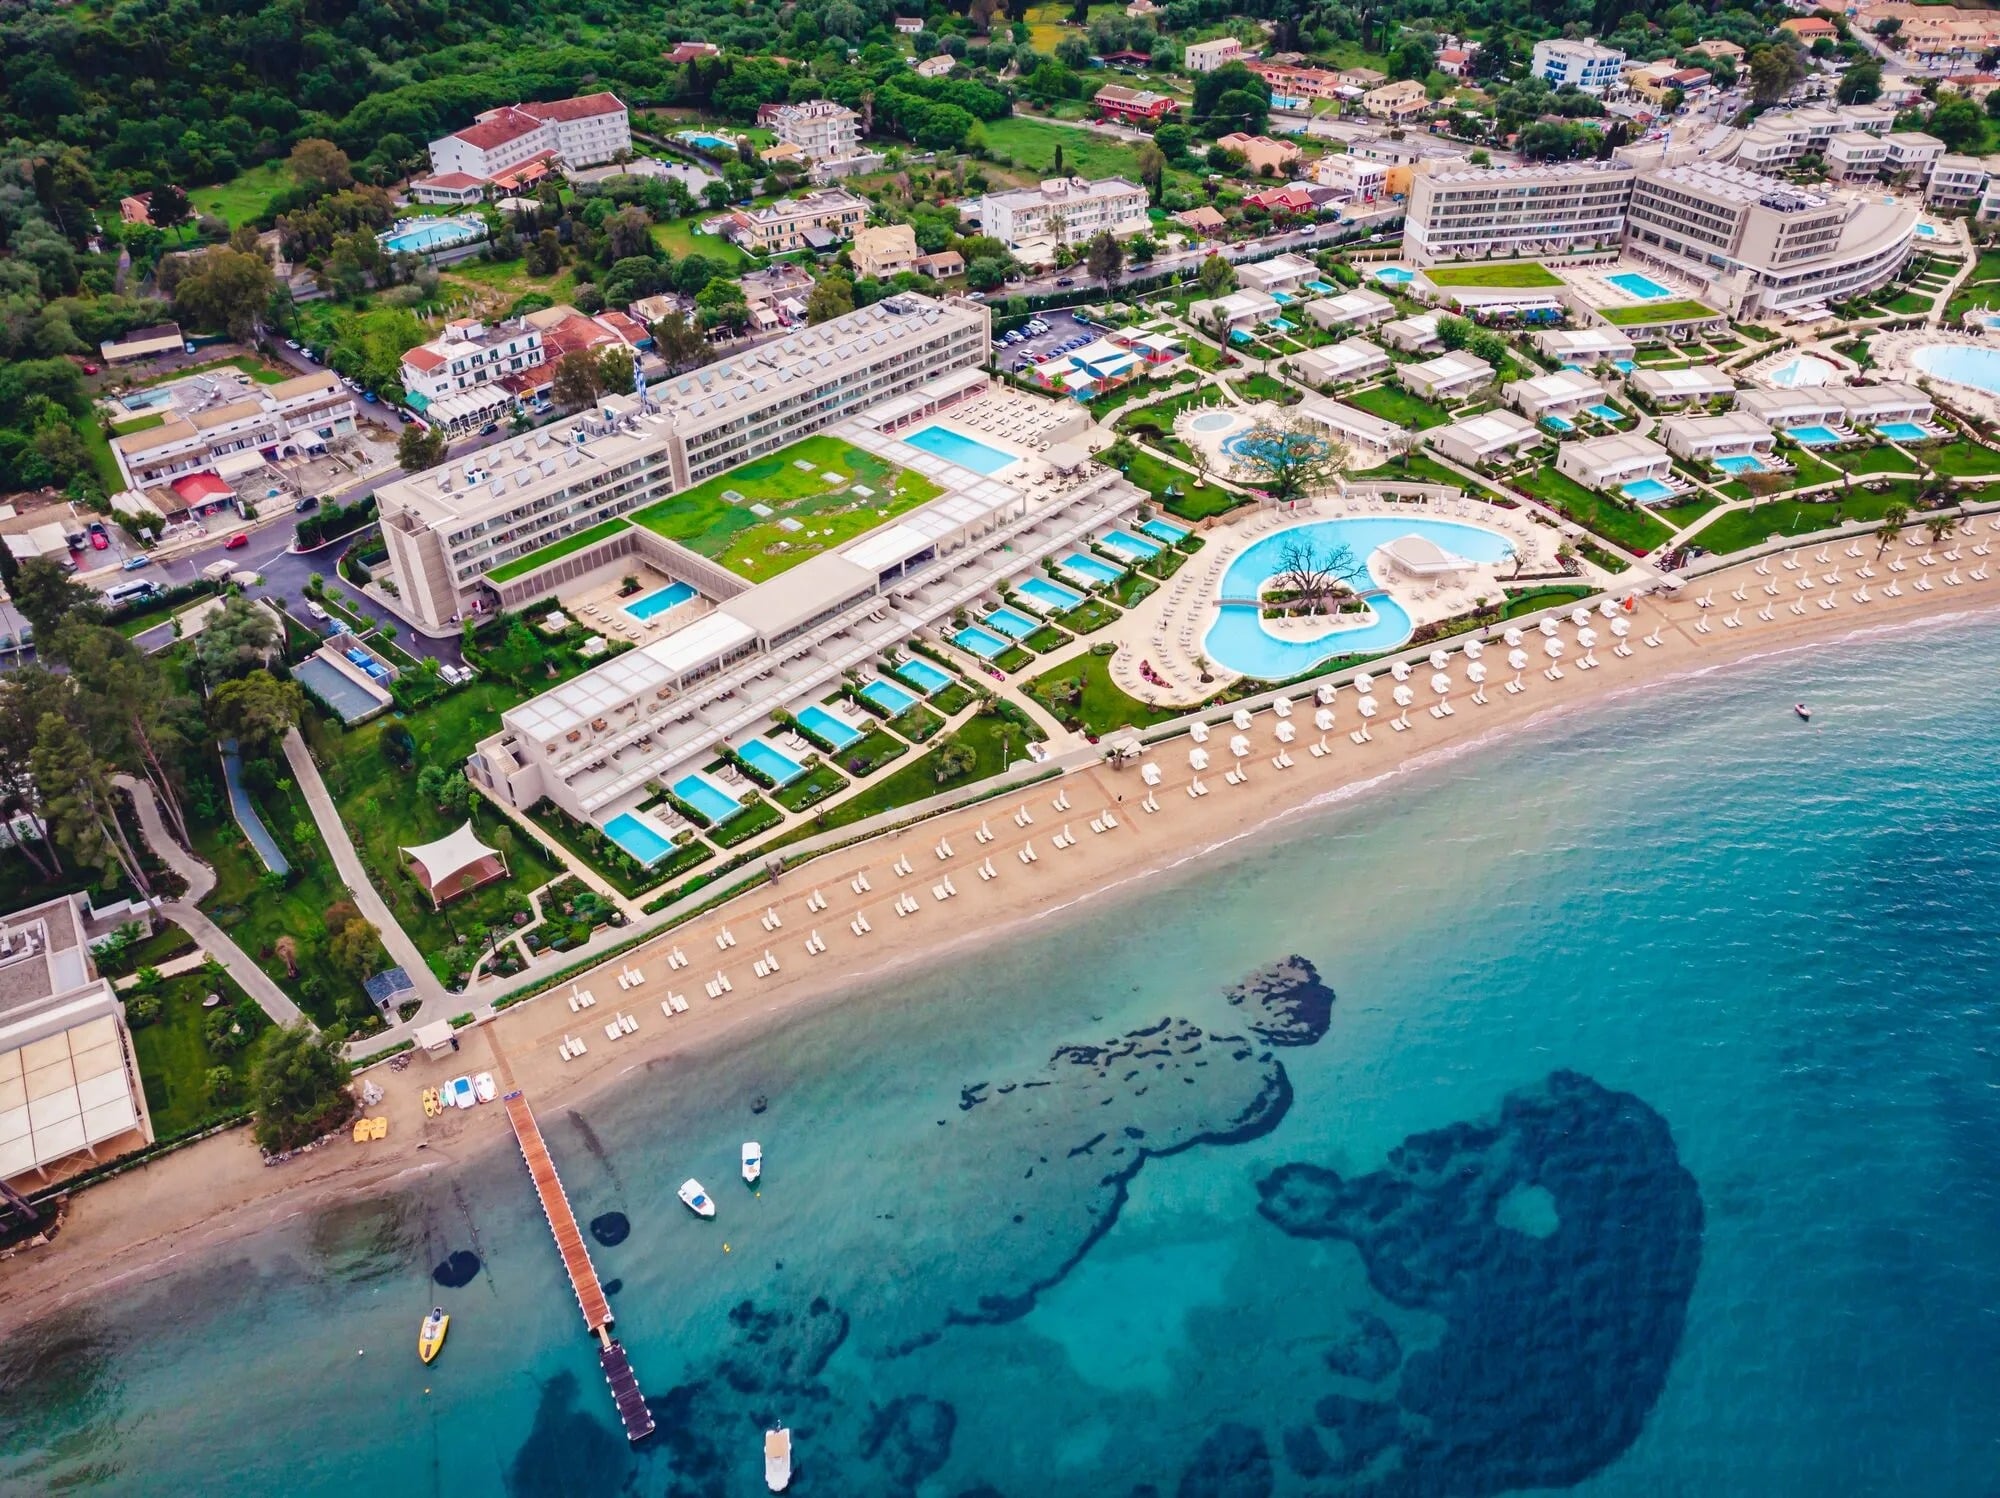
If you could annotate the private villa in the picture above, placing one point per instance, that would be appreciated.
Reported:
(1614, 462)
(1672, 387)
(1586, 346)
(1351, 309)
(1489, 437)
(1563, 393)
(1449, 376)
(1337, 363)
(1730, 435)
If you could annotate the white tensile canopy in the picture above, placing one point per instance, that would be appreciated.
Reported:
(454, 864)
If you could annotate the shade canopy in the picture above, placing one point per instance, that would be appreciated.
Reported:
(1439, 660)
(1369, 707)
(1404, 696)
(1517, 660)
(1241, 717)
(1512, 637)
(1323, 719)
(1440, 682)
(1475, 673)
(1474, 650)
(454, 864)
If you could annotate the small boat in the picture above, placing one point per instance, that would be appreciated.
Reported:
(458, 1093)
(1804, 712)
(433, 1103)
(431, 1339)
(483, 1088)
(777, 1458)
(753, 1161)
(695, 1199)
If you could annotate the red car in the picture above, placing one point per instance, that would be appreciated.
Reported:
(239, 539)
(98, 541)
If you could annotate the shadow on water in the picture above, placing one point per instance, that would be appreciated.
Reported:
(58, 1399)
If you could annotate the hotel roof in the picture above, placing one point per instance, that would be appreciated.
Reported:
(1492, 427)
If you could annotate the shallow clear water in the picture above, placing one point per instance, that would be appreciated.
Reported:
(638, 837)
(922, 675)
(954, 447)
(1962, 365)
(1650, 1148)
(659, 600)
(761, 754)
(706, 797)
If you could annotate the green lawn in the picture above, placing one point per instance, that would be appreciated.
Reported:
(1263, 387)
(680, 239)
(1031, 144)
(244, 197)
(1519, 274)
(1908, 302)
(1794, 517)
(556, 550)
(1960, 459)
(175, 1059)
(1530, 600)
(832, 512)
(1103, 705)
(137, 424)
(1404, 409)
(755, 817)
(1807, 470)
(98, 442)
(814, 786)
(1633, 529)
(869, 753)
(1688, 511)
(1871, 460)
(1656, 312)
(1157, 477)
(1417, 468)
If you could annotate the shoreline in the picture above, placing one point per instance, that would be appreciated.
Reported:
(212, 1193)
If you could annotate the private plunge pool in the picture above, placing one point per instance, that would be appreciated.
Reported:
(827, 725)
(706, 797)
(981, 642)
(639, 837)
(1049, 596)
(886, 695)
(1238, 640)
(1010, 622)
(922, 675)
(1089, 570)
(768, 759)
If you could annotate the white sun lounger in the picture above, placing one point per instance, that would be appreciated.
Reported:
(613, 1030)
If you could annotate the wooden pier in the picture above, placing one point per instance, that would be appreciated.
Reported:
(590, 1296)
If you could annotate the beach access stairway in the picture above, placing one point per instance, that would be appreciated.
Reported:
(590, 1297)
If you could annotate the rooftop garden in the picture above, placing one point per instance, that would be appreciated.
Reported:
(1653, 313)
(1517, 275)
(555, 551)
(768, 516)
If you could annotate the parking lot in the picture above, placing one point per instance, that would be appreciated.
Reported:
(1064, 328)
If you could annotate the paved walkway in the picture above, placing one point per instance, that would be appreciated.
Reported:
(200, 878)
(437, 1003)
(173, 967)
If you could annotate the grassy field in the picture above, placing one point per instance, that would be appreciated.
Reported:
(1871, 460)
(1032, 144)
(1104, 705)
(1794, 517)
(556, 550)
(1656, 312)
(175, 1059)
(498, 284)
(137, 424)
(996, 741)
(680, 240)
(1414, 467)
(1519, 274)
(1632, 529)
(1397, 405)
(1961, 459)
(832, 513)
(245, 197)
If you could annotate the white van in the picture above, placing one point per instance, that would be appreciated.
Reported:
(315, 610)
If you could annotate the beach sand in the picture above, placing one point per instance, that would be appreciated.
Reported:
(132, 1226)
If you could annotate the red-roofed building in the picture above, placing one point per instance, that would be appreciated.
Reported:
(576, 335)
(629, 330)
(1292, 198)
(575, 132)
(202, 491)
(1454, 62)
(1297, 82)
(689, 51)
(456, 188)
(1138, 106)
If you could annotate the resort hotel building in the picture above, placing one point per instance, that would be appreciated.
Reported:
(1062, 211)
(449, 528)
(1509, 213)
(232, 435)
(513, 145)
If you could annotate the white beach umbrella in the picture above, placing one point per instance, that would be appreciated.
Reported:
(1282, 706)
(1323, 719)
(1368, 707)
(1404, 696)
(1587, 639)
(1441, 683)
(1608, 608)
(1197, 759)
(1401, 670)
(1439, 660)
(1239, 746)
(1513, 638)
(1287, 731)
(1579, 617)
(1474, 649)
(1363, 682)
(1199, 733)
(1553, 648)
(1476, 672)
(1548, 627)
(1620, 628)
(1325, 693)
(1241, 717)
(1517, 660)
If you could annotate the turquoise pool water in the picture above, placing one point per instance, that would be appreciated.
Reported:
(1238, 639)
(1649, 1154)
(1011, 622)
(706, 797)
(1808, 370)
(1559, 423)
(1165, 530)
(921, 674)
(944, 443)
(761, 754)
(1321, 287)
(1813, 436)
(638, 838)
(1048, 595)
(1089, 569)
(1623, 366)
(659, 601)
(1281, 325)
(981, 642)
(1977, 367)
(707, 142)
(1644, 490)
(1606, 413)
(1125, 544)
(1395, 274)
(1283, 298)
(835, 729)
(891, 698)
(1902, 431)
(1634, 284)
(431, 234)
(1741, 463)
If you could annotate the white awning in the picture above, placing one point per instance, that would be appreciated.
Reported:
(450, 855)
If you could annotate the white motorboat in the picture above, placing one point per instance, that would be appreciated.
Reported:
(753, 1161)
(695, 1199)
(483, 1087)
(777, 1458)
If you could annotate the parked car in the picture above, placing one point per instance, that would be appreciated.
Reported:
(90, 369)
(188, 348)
(370, 396)
(1066, 281)
(311, 357)
(234, 543)
(310, 502)
(404, 416)
(98, 540)
(134, 563)
(489, 429)
(292, 344)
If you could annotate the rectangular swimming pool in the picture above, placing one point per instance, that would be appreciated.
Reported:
(981, 642)
(1395, 275)
(1092, 571)
(1125, 544)
(1741, 463)
(1814, 436)
(659, 601)
(1902, 431)
(1559, 423)
(830, 726)
(1320, 287)
(438, 234)
(1644, 490)
(943, 442)
(1634, 284)
(1011, 622)
(1283, 298)
(1165, 530)
(641, 839)
(1606, 413)
(922, 675)
(768, 759)
(1047, 595)
(706, 797)
(891, 698)
(1623, 366)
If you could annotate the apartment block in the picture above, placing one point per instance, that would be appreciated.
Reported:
(1064, 210)
(448, 528)
(471, 357)
(812, 221)
(285, 420)
(1855, 155)
(1910, 154)
(1398, 102)
(1587, 65)
(504, 142)
(818, 127)
(1515, 212)
(1955, 182)
(1298, 82)
(1206, 57)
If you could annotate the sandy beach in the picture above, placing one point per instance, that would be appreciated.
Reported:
(128, 1228)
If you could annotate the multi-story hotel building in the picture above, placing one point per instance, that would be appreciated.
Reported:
(1206, 57)
(818, 127)
(454, 380)
(277, 421)
(448, 528)
(815, 221)
(1064, 210)
(1590, 67)
(1470, 213)
(573, 133)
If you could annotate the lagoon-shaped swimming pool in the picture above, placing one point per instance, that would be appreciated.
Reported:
(1977, 367)
(1800, 373)
(1238, 640)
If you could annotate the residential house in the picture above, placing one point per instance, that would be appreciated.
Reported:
(1810, 29)
(1413, 335)
(1398, 102)
(813, 221)
(1361, 179)
(142, 343)
(1876, 405)
(1134, 106)
(1673, 387)
(1336, 364)
(136, 208)
(1063, 210)
(938, 267)
(1721, 50)
(1490, 437)
(1279, 273)
(691, 51)
(1294, 198)
(820, 128)
(1237, 312)
(1266, 157)
(1609, 462)
(1807, 406)
(1204, 221)
(936, 67)
(1450, 376)
(1586, 346)
(1351, 309)
(1206, 57)
(881, 253)
(909, 25)
(1564, 394)
(1361, 78)
(1454, 62)
(1700, 439)
(1293, 82)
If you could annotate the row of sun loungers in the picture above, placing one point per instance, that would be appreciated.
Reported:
(623, 1024)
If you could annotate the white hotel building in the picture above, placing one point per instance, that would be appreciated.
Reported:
(1469, 213)
(286, 420)
(1063, 211)
(446, 529)
(570, 133)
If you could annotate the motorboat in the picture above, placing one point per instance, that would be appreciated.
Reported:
(430, 1339)
(483, 1088)
(695, 1199)
(753, 1161)
(777, 1458)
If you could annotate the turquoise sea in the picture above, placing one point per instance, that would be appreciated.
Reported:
(1649, 1147)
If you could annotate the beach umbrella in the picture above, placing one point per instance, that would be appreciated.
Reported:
(1325, 694)
(1553, 648)
(1363, 682)
(1401, 670)
(1513, 638)
(1608, 608)
(1197, 759)
(1241, 717)
(1368, 707)
(1548, 627)
(1620, 628)
(1517, 660)
(1323, 719)
(1199, 733)
(1587, 638)
(1476, 673)
(1439, 660)
(1287, 731)
(1474, 649)
(1282, 706)
(1441, 683)
(1239, 746)
(1579, 617)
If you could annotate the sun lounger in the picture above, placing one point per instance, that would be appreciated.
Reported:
(986, 870)
(858, 926)
(1149, 805)
(576, 1046)
(623, 981)
(903, 867)
(722, 982)
(761, 968)
(1022, 819)
(612, 1031)
(859, 884)
(638, 977)
(628, 1024)
(573, 1004)
(814, 945)
(943, 849)
(984, 834)
(587, 999)
(1829, 601)
(815, 901)
(1062, 801)
(712, 989)
(563, 1050)
(1028, 854)
(724, 939)
(766, 922)
(1097, 824)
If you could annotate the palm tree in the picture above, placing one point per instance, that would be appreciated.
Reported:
(1894, 517)
(1939, 526)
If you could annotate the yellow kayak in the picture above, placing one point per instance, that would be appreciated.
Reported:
(430, 1340)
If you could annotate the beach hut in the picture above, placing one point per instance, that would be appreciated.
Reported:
(454, 864)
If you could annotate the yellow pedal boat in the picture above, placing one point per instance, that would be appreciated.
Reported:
(430, 1340)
